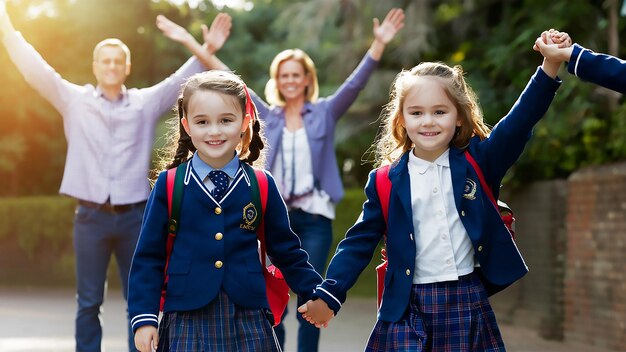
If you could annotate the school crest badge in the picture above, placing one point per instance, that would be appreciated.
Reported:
(250, 214)
(469, 191)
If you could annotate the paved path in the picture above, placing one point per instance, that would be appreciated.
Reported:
(42, 320)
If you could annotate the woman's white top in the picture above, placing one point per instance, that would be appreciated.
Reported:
(293, 172)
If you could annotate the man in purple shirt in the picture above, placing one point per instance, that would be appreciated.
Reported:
(109, 131)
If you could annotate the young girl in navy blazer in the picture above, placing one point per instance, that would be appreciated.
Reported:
(447, 246)
(216, 299)
(605, 70)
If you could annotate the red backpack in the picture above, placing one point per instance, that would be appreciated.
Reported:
(275, 285)
(383, 189)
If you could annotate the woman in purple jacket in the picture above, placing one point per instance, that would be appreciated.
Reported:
(300, 130)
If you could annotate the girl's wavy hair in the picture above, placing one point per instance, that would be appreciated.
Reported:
(393, 140)
(179, 147)
(272, 93)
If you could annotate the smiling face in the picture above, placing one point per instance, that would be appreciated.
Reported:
(110, 66)
(214, 121)
(292, 80)
(429, 117)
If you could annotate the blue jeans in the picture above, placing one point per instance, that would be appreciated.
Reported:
(97, 235)
(316, 234)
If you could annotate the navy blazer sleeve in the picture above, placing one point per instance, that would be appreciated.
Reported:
(605, 70)
(355, 251)
(507, 140)
(146, 273)
(284, 248)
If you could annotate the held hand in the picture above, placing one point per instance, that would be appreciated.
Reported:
(316, 312)
(146, 338)
(555, 46)
(172, 30)
(216, 36)
(551, 63)
(392, 24)
(561, 38)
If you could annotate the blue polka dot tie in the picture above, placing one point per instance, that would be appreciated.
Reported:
(220, 181)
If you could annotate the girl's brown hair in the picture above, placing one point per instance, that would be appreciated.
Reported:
(393, 140)
(179, 147)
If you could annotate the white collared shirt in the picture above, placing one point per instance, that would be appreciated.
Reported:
(444, 250)
(296, 155)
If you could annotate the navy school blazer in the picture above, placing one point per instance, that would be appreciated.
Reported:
(215, 249)
(605, 70)
(500, 261)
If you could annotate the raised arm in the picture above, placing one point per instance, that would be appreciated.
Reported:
(385, 32)
(35, 70)
(214, 38)
(5, 22)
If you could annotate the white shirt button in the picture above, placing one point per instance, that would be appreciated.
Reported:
(435, 190)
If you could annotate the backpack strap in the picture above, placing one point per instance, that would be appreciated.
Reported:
(175, 182)
(383, 189)
(503, 209)
(481, 178)
(259, 188)
(174, 187)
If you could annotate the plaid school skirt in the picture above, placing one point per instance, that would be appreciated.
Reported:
(221, 326)
(443, 316)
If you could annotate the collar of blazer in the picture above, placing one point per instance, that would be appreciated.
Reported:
(191, 174)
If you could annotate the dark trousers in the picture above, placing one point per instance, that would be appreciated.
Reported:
(99, 233)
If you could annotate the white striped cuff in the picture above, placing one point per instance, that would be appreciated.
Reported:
(329, 294)
(142, 318)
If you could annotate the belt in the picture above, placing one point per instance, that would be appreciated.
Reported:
(110, 208)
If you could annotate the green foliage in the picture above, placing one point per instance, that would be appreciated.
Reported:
(37, 220)
(36, 238)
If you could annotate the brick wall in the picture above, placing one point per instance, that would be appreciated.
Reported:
(595, 278)
(572, 235)
(536, 300)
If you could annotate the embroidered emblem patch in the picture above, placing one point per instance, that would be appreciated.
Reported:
(249, 216)
(469, 191)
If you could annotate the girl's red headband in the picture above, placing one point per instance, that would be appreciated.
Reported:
(250, 108)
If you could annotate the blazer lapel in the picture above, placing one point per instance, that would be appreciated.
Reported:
(458, 169)
(401, 184)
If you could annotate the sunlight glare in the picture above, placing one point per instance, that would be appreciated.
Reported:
(44, 9)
